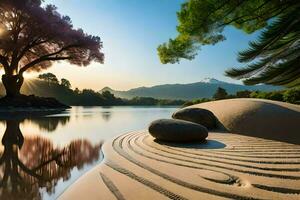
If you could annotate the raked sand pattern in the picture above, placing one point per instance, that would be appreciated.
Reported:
(227, 166)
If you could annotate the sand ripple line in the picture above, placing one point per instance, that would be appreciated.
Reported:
(118, 147)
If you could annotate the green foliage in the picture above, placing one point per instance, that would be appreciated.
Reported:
(220, 94)
(196, 101)
(203, 21)
(289, 96)
(181, 47)
(65, 83)
(274, 57)
(46, 87)
(108, 95)
(49, 77)
(275, 54)
(292, 95)
(243, 94)
(149, 101)
(77, 91)
(276, 96)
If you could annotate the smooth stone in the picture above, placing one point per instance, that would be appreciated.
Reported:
(173, 130)
(197, 115)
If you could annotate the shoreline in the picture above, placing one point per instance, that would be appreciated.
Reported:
(21, 113)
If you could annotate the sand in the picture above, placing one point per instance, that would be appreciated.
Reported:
(228, 166)
(262, 161)
(257, 117)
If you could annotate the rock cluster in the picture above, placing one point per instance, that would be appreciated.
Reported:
(187, 125)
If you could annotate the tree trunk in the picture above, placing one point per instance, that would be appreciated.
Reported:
(13, 135)
(12, 84)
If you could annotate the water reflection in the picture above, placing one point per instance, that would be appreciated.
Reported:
(49, 124)
(30, 163)
(106, 115)
(43, 155)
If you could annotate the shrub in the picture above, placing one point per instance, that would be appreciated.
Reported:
(276, 96)
(292, 95)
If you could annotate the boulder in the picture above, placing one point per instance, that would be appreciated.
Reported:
(197, 115)
(173, 130)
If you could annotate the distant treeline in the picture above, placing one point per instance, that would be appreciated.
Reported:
(289, 95)
(47, 85)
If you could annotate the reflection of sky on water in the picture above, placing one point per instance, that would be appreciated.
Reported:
(72, 130)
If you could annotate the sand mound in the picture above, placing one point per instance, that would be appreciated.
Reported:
(255, 117)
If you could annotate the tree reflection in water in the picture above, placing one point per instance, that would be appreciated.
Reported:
(28, 164)
(106, 115)
(49, 123)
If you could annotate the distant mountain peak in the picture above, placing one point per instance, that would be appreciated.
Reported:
(211, 80)
(201, 89)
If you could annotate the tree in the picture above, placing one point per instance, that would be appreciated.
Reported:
(77, 91)
(49, 77)
(276, 52)
(108, 95)
(243, 94)
(292, 95)
(220, 94)
(65, 83)
(33, 37)
(29, 164)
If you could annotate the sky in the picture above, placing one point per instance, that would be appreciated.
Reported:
(131, 31)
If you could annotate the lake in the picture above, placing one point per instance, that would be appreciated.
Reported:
(42, 156)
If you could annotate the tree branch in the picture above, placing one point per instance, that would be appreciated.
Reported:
(256, 17)
(15, 39)
(4, 62)
(29, 171)
(37, 61)
(54, 158)
(218, 8)
(30, 46)
(49, 57)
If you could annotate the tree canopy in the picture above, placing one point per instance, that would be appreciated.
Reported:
(49, 77)
(32, 37)
(220, 94)
(272, 59)
(65, 83)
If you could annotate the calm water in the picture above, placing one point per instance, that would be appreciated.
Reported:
(41, 157)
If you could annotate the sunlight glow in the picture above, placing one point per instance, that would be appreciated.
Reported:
(1, 30)
(29, 75)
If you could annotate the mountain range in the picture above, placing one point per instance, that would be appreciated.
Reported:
(202, 89)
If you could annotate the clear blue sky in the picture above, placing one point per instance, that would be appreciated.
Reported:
(131, 30)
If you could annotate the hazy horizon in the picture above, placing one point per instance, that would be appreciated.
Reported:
(131, 32)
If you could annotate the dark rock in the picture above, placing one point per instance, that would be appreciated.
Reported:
(31, 101)
(197, 115)
(173, 130)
